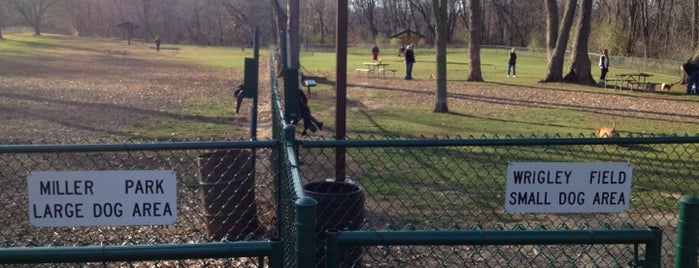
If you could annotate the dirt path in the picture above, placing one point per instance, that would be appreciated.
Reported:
(85, 92)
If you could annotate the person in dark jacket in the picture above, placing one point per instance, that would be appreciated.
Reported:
(157, 43)
(375, 52)
(309, 121)
(409, 61)
(692, 71)
(511, 64)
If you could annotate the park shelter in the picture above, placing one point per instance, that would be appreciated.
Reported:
(408, 36)
(127, 29)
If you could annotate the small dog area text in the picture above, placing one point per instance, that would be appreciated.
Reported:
(568, 187)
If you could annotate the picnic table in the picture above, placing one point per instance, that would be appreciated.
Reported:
(637, 81)
(377, 68)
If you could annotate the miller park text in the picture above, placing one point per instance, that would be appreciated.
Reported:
(100, 209)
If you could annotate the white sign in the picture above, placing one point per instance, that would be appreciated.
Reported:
(568, 187)
(90, 198)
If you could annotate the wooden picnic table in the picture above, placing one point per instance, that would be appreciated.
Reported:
(378, 68)
(633, 80)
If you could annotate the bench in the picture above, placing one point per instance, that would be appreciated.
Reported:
(383, 71)
(647, 86)
(608, 82)
(118, 52)
(367, 71)
(651, 86)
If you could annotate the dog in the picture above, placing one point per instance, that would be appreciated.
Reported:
(666, 86)
(606, 132)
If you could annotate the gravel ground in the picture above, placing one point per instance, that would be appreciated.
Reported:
(82, 93)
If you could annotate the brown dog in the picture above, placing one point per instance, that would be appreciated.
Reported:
(605, 132)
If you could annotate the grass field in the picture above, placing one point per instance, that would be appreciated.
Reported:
(73, 86)
(391, 106)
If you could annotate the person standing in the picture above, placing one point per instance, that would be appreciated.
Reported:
(375, 52)
(511, 64)
(409, 61)
(692, 77)
(604, 65)
(157, 43)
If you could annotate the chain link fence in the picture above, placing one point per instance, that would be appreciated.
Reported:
(460, 183)
(405, 183)
(212, 205)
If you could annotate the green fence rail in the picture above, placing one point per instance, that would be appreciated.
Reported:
(339, 242)
(36, 255)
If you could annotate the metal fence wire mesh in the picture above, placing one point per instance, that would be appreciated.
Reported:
(462, 183)
(223, 194)
(237, 191)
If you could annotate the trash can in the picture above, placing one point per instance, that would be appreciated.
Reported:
(340, 206)
(228, 186)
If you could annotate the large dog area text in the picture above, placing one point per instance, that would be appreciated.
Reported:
(89, 198)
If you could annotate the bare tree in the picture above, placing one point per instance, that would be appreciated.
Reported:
(554, 69)
(1, 12)
(695, 23)
(281, 20)
(33, 11)
(367, 9)
(551, 27)
(439, 8)
(579, 71)
(423, 8)
(320, 19)
(474, 47)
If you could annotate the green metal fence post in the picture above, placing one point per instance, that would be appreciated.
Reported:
(332, 256)
(276, 258)
(687, 231)
(654, 249)
(332, 248)
(305, 232)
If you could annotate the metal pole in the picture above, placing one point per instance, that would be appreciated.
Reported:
(654, 249)
(276, 259)
(341, 88)
(687, 231)
(305, 224)
(332, 256)
(253, 109)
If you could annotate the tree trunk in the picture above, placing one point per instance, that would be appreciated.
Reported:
(33, 11)
(280, 27)
(440, 13)
(551, 27)
(695, 23)
(554, 70)
(633, 10)
(579, 71)
(475, 44)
